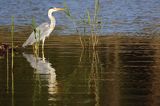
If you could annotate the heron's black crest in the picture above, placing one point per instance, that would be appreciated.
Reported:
(51, 8)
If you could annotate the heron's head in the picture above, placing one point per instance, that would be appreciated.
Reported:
(54, 9)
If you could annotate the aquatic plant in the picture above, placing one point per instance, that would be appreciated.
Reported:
(93, 23)
(12, 73)
(73, 19)
(7, 62)
(12, 35)
(36, 46)
(91, 20)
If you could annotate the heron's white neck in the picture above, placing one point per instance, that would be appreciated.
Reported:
(52, 19)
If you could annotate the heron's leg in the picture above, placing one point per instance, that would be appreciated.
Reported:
(43, 44)
(34, 48)
(43, 49)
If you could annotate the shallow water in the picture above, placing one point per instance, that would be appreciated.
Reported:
(123, 71)
(140, 16)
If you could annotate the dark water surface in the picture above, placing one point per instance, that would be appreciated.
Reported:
(140, 16)
(123, 71)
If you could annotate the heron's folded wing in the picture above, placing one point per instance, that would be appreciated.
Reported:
(37, 34)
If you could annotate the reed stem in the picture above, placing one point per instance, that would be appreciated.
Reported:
(12, 36)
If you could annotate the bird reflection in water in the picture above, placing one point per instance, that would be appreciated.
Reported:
(44, 69)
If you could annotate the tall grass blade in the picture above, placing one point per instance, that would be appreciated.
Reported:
(88, 17)
(97, 8)
(12, 35)
(37, 37)
(67, 11)
(7, 72)
(12, 88)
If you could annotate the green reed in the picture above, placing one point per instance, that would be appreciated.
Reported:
(73, 19)
(7, 85)
(12, 63)
(67, 11)
(12, 78)
(37, 37)
(12, 37)
(94, 23)
(90, 19)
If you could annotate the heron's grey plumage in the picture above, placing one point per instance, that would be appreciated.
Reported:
(43, 30)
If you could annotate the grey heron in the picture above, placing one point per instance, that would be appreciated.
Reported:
(43, 30)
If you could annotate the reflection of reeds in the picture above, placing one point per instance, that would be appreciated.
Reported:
(37, 88)
(12, 78)
(91, 21)
(7, 72)
(91, 57)
(94, 75)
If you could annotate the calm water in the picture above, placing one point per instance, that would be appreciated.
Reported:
(122, 72)
(140, 16)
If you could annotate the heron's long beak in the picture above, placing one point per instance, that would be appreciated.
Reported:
(60, 9)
